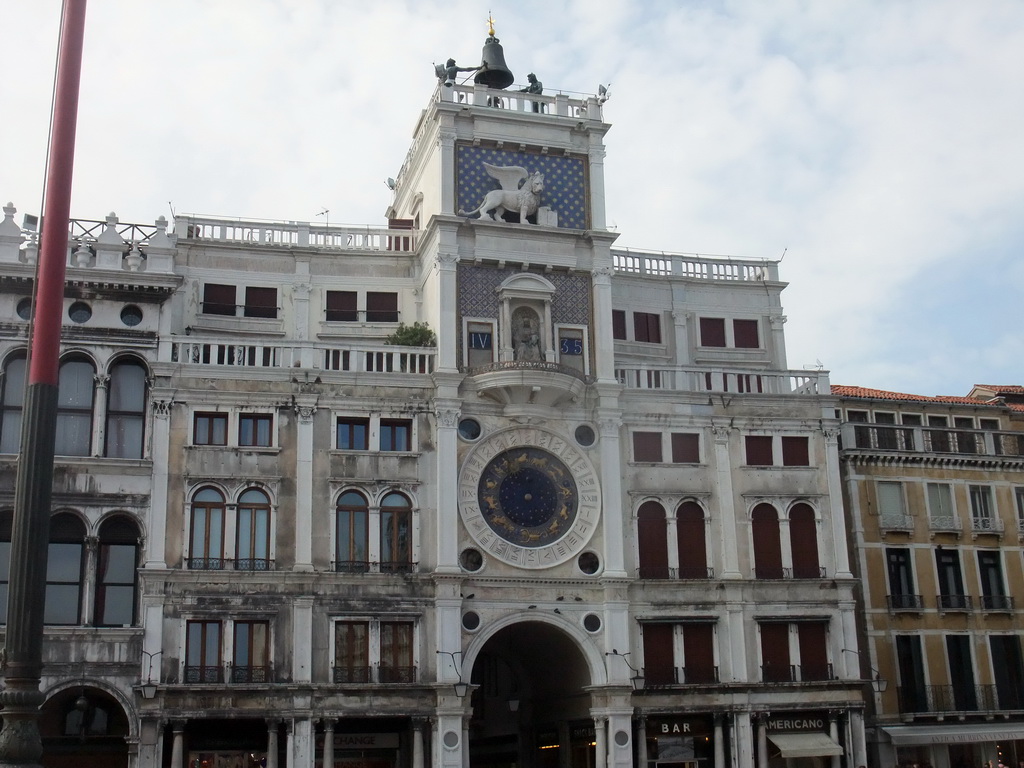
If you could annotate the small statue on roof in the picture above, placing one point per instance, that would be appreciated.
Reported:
(447, 72)
(535, 86)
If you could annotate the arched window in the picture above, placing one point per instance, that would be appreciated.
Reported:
(6, 520)
(74, 408)
(126, 410)
(206, 541)
(767, 546)
(652, 533)
(690, 541)
(352, 533)
(803, 540)
(11, 404)
(64, 566)
(115, 573)
(252, 547)
(395, 533)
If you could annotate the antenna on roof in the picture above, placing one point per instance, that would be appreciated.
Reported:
(327, 219)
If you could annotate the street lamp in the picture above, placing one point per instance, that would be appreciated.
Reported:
(148, 688)
(878, 683)
(461, 687)
(637, 678)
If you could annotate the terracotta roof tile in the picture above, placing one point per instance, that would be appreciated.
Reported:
(882, 394)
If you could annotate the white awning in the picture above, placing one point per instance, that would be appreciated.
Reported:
(813, 744)
(959, 733)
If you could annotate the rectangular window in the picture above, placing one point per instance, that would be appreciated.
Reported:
(759, 450)
(940, 501)
(891, 506)
(712, 332)
(659, 656)
(255, 429)
(479, 344)
(210, 429)
(951, 584)
(961, 673)
(395, 435)
(982, 508)
(396, 657)
(115, 588)
(910, 663)
(381, 307)
(202, 652)
(250, 662)
(812, 640)
(352, 652)
(63, 583)
(795, 452)
(989, 425)
(1008, 671)
(685, 448)
(647, 446)
(744, 334)
(901, 580)
(911, 420)
(342, 307)
(699, 653)
(647, 327)
(619, 324)
(776, 666)
(993, 588)
(353, 434)
(260, 302)
(1018, 495)
(219, 299)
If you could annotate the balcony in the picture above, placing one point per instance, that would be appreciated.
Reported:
(722, 380)
(796, 673)
(981, 524)
(204, 674)
(947, 699)
(664, 677)
(945, 524)
(685, 572)
(228, 564)
(899, 522)
(250, 674)
(364, 566)
(952, 442)
(997, 603)
(906, 603)
(954, 603)
(533, 382)
(381, 674)
(770, 573)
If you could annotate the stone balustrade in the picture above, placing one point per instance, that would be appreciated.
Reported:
(714, 379)
(693, 266)
(299, 234)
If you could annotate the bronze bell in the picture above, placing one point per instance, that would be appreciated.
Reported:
(494, 73)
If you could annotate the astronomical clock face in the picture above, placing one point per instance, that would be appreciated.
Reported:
(529, 498)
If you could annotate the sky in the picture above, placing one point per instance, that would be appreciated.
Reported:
(875, 146)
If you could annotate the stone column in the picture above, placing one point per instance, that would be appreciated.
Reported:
(447, 532)
(834, 510)
(272, 743)
(600, 742)
(596, 155)
(620, 740)
(156, 528)
(99, 413)
(615, 517)
(729, 532)
(178, 744)
(641, 744)
(300, 735)
(857, 740)
(778, 348)
(87, 600)
(417, 744)
(328, 753)
(719, 742)
(744, 755)
(833, 731)
(305, 408)
(762, 742)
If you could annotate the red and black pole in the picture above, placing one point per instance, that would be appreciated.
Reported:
(20, 742)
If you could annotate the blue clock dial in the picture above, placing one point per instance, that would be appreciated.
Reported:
(528, 496)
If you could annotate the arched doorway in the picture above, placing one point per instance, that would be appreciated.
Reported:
(84, 727)
(530, 703)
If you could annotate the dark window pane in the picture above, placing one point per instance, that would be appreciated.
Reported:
(759, 450)
(619, 324)
(647, 446)
(685, 448)
(353, 434)
(260, 302)
(381, 307)
(342, 306)
(219, 299)
(794, 452)
(712, 332)
(647, 327)
(745, 334)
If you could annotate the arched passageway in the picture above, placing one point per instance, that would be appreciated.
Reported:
(84, 728)
(531, 707)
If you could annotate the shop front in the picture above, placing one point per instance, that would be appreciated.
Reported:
(678, 741)
(799, 740)
(958, 745)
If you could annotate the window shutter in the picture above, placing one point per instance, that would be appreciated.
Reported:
(744, 334)
(712, 332)
(381, 307)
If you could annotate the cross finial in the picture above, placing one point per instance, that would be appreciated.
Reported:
(490, 24)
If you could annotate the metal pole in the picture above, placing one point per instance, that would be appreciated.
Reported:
(20, 742)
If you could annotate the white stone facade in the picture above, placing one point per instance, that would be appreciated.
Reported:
(601, 471)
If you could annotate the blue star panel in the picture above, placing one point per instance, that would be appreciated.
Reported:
(565, 181)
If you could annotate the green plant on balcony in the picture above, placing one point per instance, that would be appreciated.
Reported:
(415, 335)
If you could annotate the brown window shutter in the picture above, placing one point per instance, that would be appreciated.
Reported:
(659, 662)
(744, 334)
(803, 539)
(381, 307)
(767, 547)
(342, 307)
(647, 446)
(712, 332)
(690, 541)
(699, 653)
(653, 541)
(260, 302)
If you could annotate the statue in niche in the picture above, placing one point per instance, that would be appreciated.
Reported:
(526, 335)
(524, 200)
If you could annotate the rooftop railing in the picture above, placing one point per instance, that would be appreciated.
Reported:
(693, 265)
(740, 381)
(299, 234)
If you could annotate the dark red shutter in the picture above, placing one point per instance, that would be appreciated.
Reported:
(813, 658)
(690, 541)
(775, 663)
(803, 540)
(759, 450)
(794, 452)
(342, 307)
(712, 332)
(744, 334)
(619, 324)
(685, 448)
(699, 653)
(653, 541)
(381, 307)
(767, 547)
(219, 299)
(659, 664)
(260, 302)
(647, 446)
